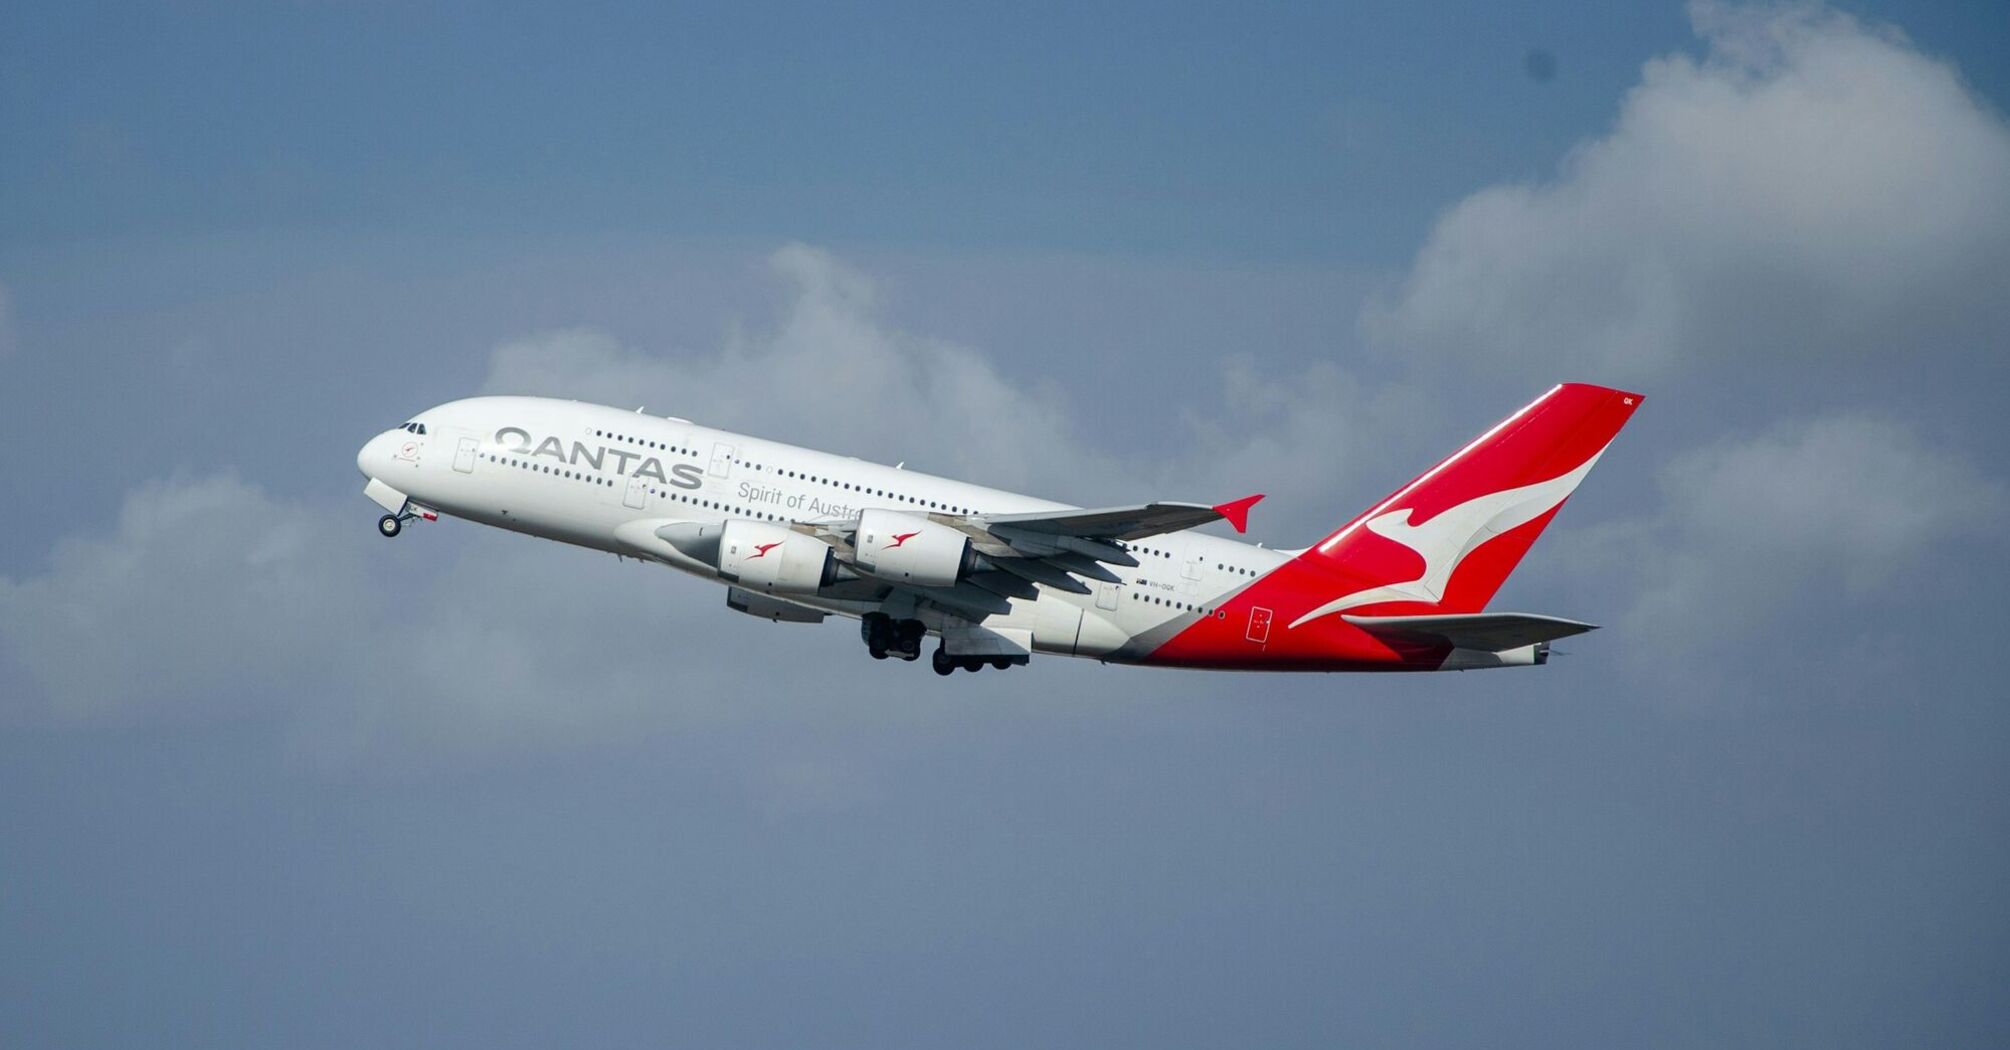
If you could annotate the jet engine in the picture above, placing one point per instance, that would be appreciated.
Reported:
(904, 548)
(761, 556)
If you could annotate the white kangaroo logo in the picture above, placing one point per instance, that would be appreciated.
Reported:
(1445, 540)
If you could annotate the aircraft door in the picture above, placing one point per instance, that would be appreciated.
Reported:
(1259, 625)
(633, 497)
(464, 456)
(722, 460)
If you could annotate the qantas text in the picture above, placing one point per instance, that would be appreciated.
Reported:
(681, 475)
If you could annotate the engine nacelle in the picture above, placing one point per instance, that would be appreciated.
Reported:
(907, 549)
(765, 557)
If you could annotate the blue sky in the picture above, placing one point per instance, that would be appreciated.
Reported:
(1114, 130)
(268, 780)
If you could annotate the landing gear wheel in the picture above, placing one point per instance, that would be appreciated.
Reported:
(390, 525)
(877, 631)
(908, 635)
(942, 663)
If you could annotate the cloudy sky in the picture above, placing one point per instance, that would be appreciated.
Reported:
(268, 780)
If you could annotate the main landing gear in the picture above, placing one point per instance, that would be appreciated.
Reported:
(885, 636)
(946, 664)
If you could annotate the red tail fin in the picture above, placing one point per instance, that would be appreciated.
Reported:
(1447, 540)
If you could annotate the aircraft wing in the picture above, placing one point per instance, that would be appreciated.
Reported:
(1124, 523)
(1059, 548)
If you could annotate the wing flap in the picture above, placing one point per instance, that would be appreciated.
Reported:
(1038, 571)
(1081, 565)
(1048, 544)
(1005, 585)
(975, 602)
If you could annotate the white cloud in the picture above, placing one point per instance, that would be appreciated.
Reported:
(1858, 497)
(202, 587)
(211, 600)
(1800, 535)
(1809, 188)
(831, 374)
(1307, 439)
(209, 597)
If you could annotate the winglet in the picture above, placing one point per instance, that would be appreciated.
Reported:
(1237, 511)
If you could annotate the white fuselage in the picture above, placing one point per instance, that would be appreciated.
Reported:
(606, 479)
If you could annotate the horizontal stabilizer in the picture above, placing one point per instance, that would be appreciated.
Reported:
(1486, 632)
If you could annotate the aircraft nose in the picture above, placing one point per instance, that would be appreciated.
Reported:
(374, 458)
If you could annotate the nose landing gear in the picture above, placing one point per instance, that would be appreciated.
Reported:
(392, 524)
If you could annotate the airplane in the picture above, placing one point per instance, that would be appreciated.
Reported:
(797, 535)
